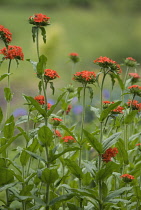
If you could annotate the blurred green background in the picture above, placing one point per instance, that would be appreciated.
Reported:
(91, 28)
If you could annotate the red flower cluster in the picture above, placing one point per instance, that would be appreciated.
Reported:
(57, 133)
(127, 177)
(131, 62)
(106, 104)
(5, 35)
(135, 77)
(74, 57)
(50, 74)
(106, 62)
(134, 105)
(68, 139)
(12, 52)
(85, 77)
(109, 153)
(118, 110)
(68, 109)
(41, 100)
(55, 121)
(135, 89)
(139, 144)
(39, 20)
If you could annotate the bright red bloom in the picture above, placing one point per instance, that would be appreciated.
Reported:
(74, 57)
(5, 35)
(106, 104)
(106, 62)
(109, 153)
(68, 109)
(85, 77)
(134, 75)
(118, 110)
(131, 59)
(134, 105)
(40, 99)
(39, 20)
(57, 133)
(12, 52)
(68, 139)
(139, 144)
(50, 74)
(127, 177)
(48, 106)
(135, 89)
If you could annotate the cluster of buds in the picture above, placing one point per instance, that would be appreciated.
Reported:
(74, 57)
(85, 77)
(135, 105)
(130, 62)
(68, 139)
(118, 110)
(135, 89)
(134, 77)
(39, 20)
(41, 100)
(5, 35)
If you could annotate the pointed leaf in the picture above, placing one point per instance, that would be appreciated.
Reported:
(9, 126)
(122, 152)
(34, 31)
(1, 115)
(74, 168)
(41, 65)
(78, 92)
(130, 117)
(6, 176)
(43, 33)
(107, 111)
(7, 94)
(4, 75)
(91, 92)
(93, 142)
(45, 136)
(61, 198)
(110, 141)
(49, 176)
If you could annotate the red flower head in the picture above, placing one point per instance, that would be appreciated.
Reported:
(68, 139)
(134, 105)
(5, 35)
(118, 110)
(106, 62)
(74, 57)
(127, 177)
(68, 109)
(50, 74)
(106, 104)
(86, 77)
(40, 99)
(12, 52)
(57, 133)
(131, 62)
(139, 144)
(49, 106)
(55, 121)
(135, 89)
(109, 153)
(135, 77)
(39, 20)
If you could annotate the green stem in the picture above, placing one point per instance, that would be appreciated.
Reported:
(81, 138)
(45, 96)
(8, 84)
(37, 42)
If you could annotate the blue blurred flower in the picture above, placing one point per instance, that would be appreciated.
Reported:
(19, 112)
(77, 109)
(106, 94)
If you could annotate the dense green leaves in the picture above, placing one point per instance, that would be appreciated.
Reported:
(45, 136)
(74, 168)
(49, 176)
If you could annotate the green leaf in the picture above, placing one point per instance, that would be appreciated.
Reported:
(45, 136)
(52, 87)
(24, 157)
(7, 186)
(68, 131)
(110, 141)
(41, 65)
(7, 94)
(6, 176)
(93, 142)
(119, 81)
(1, 115)
(34, 64)
(106, 111)
(112, 80)
(43, 33)
(130, 117)
(49, 176)
(91, 92)
(74, 168)
(36, 156)
(104, 173)
(61, 198)
(4, 75)
(34, 32)
(23, 133)
(79, 91)
(9, 126)
(54, 157)
(26, 190)
(117, 193)
(122, 152)
(40, 86)
(4, 147)
(37, 106)
(55, 105)
(96, 111)
(71, 206)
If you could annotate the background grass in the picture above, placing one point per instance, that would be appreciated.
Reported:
(92, 32)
